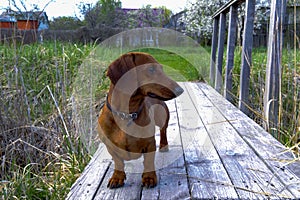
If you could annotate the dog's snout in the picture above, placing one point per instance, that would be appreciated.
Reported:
(178, 91)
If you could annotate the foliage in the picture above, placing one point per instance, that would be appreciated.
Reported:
(26, 5)
(150, 17)
(104, 13)
(198, 18)
(40, 152)
(110, 14)
(65, 23)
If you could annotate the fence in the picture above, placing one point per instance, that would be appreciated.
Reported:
(21, 36)
(273, 65)
(82, 34)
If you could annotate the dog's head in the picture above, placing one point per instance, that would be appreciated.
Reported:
(145, 73)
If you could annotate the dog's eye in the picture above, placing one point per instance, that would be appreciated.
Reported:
(151, 70)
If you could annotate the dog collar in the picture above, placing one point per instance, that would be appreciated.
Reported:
(123, 115)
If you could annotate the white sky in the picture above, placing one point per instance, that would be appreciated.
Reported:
(69, 8)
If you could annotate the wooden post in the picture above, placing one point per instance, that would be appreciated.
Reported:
(246, 57)
(213, 51)
(273, 68)
(218, 80)
(230, 53)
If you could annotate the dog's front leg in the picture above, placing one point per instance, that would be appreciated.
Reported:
(118, 177)
(149, 178)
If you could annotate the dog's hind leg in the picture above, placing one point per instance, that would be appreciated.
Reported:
(163, 145)
(162, 120)
(161, 117)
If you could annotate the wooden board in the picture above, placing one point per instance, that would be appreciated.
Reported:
(171, 165)
(87, 184)
(246, 56)
(204, 167)
(246, 170)
(273, 153)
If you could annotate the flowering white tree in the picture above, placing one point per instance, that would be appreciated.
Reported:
(198, 18)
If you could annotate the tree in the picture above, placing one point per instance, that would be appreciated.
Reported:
(105, 12)
(65, 23)
(110, 14)
(22, 5)
(147, 17)
(198, 18)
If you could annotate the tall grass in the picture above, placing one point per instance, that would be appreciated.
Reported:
(40, 152)
(289, 128)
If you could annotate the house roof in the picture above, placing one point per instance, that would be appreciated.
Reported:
(7, 19)
(28, 15)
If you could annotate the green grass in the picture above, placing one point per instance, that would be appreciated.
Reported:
(40, 157)
(175, 65)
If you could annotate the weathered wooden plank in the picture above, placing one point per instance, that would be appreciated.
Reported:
(170, 165)
(173, 184)
(224, 154)
(247, 171)
(214, 51)
(221, 41)
(274, 154)
(230, 53)
(86, 185)
(131, 189)
(169, 169)
(246, 56)
(206, 173)
(273, 68)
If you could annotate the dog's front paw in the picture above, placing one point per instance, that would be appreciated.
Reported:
(149, 179)
(117, 179)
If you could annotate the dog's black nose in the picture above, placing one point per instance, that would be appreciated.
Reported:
(178, 91)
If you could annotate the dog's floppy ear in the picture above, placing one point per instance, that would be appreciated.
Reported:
(120, 66)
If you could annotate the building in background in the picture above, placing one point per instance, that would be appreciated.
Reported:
(37, 20)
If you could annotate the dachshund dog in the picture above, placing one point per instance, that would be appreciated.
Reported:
(134, 106)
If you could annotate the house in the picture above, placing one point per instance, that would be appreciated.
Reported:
(24, 27)
(7, 22)
(37, 20)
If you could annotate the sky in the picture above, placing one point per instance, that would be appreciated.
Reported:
(69, 7)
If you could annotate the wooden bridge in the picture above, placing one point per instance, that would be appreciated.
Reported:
(216, 151)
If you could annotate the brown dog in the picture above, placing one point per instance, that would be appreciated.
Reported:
(134, 105)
